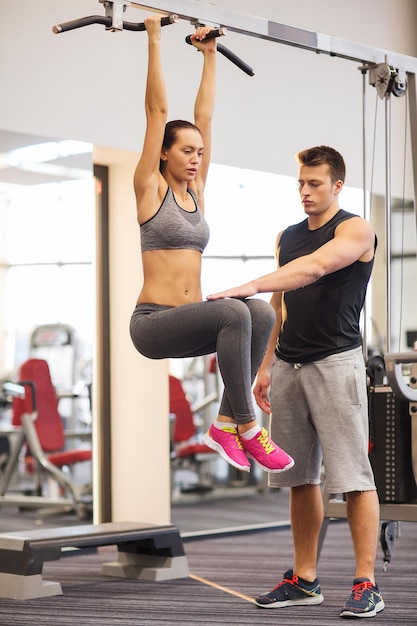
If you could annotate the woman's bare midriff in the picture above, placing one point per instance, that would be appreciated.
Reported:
(171, 277)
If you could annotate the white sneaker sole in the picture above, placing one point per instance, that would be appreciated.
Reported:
(218, 448)
(273, 471)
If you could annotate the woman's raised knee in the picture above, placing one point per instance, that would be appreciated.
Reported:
(260, 309)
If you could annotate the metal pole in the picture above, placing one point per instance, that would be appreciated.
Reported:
(388, 214)
(366, 211)
(412, 107)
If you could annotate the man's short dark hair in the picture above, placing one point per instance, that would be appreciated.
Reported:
(320, 155)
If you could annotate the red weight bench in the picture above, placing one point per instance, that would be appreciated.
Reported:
(45, 441)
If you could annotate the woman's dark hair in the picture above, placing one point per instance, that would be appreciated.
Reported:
(320, 155)
(171, 134)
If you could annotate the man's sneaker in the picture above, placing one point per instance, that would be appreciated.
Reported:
(227, 443)
(365, 600)
(292, 591)
(266, 454)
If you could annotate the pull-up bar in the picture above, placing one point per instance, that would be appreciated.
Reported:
(113, 21)
(107, 21)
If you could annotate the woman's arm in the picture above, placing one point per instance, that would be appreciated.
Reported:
(263, 378)
(147, 176)
(204, 103)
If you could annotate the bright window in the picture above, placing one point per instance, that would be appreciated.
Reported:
(46, 263)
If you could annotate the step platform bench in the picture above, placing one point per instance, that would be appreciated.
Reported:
(145, 552)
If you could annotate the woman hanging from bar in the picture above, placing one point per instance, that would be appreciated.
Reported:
(171, 320)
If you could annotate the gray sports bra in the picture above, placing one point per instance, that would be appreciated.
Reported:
(173, 228)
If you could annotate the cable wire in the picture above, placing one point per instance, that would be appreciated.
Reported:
(401, 281)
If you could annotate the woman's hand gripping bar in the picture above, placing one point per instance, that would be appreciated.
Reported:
(217, 32)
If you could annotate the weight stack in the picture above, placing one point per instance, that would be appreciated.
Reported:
(390, 446)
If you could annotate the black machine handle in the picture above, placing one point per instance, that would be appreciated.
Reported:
(107, 21)
(225, 51)
(235, 59)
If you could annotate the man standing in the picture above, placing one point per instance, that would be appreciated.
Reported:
(315, 373)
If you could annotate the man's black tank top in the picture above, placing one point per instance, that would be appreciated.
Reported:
(322, 318)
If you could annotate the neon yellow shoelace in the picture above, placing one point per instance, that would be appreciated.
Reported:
(265, 441)
(233, 431)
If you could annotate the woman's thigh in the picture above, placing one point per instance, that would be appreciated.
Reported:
(188, 330)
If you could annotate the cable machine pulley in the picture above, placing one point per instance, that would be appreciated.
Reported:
(388, 80)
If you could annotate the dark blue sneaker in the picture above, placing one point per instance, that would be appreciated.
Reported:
(365, 600)
(292, 591)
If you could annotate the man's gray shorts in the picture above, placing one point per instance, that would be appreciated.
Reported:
(319, 415)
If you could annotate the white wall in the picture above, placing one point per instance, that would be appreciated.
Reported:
(89, 85)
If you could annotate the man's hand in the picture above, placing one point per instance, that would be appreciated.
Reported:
(243, 291)
(261, 390)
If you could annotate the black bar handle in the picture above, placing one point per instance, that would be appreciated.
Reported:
(217, 32)
(107, 21)
(83, 21)
(235, 59)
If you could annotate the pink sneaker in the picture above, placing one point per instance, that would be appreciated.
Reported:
(266, 454)
(227, 443)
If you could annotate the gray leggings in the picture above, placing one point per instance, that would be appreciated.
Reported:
(238, 330)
